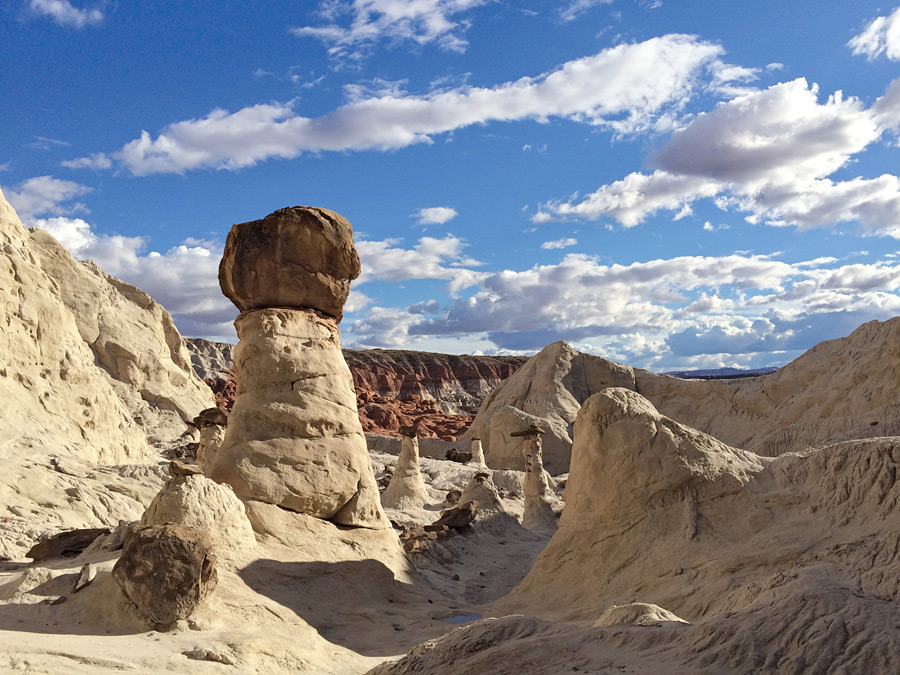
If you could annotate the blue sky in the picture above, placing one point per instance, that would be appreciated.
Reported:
(668, 184)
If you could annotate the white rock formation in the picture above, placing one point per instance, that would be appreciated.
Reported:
(477, 451)
(406, 489)
(293, 437)
(197, 501)
(211, 424)
(481, 489)
(90, 368)
(538, 513)
(839, 390)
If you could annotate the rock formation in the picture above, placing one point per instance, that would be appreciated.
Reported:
(538, 513)
(839, 390)
(211, 424)
(91, 369)
(477, 454)
(195, 501)
(407, 487)
(481, 489)
(166, 571)
(293, 437)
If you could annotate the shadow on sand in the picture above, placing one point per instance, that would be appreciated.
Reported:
(356, 604)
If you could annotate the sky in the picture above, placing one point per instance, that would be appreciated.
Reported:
(671, 184)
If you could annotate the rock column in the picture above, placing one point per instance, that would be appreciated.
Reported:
(294, 438)
(211, 423)
(538, 514)
(407, 487)
(477, 454)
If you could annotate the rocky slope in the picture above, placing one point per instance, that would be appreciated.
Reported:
(92, 373)
(438, 392)
(840, 389)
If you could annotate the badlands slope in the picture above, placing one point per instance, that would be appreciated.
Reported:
(715, 527)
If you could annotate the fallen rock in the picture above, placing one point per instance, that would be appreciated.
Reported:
(456, 518)
(455, 455)
(166, 571)
(85, 577)
(65, 544)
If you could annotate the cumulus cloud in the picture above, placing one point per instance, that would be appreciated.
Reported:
(768, 153)
(45, 195)
(690, 311)
(63, 13)
(368, 22)
(559, 243)
(435, 215)
(625, 89)
(430, 258)
(880, 37)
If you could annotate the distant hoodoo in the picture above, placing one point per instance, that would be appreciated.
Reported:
(294, 438)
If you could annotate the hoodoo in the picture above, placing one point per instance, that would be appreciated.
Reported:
(293, 437)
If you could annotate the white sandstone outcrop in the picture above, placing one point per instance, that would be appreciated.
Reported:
(90, 368)
(477, 451)
(406, 489)
(839, 390)
(538, 513)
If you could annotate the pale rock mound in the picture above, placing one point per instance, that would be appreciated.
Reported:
(758, 553)
(839, 390)
(293, 437)
(481, 489)
(406, 489)
(198, 502)
(636, 614)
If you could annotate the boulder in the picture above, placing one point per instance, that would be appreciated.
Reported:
(166, 571)
(301, 257)
(456, 518)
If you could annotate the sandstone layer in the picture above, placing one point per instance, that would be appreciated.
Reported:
(293, 437)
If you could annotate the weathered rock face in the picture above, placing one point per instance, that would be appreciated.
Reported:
(293, 437)
(90, 368)
(166, 571)
(839, 390)
(300, 257)
(663, 513)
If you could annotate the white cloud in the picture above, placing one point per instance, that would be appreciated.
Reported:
(768, 153)
(64, 14)
(577, 7)
(430, 258)
(559, 243)
(45, 195)
(98, 160)
(688, 311)
(435, 215)
(880, 37)
(625, 89)
(368, 22)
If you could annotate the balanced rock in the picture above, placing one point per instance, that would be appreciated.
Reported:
(211, 423)
(166, 571)
(299, 257)
(294, 438)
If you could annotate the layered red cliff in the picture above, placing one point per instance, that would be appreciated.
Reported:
(438, 392)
